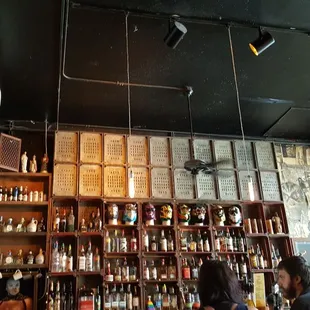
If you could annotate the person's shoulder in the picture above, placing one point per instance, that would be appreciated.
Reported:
(302, 302)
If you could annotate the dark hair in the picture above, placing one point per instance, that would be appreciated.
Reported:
(218, 283)
(296, 266)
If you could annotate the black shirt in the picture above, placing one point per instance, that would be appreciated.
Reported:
(303, 301)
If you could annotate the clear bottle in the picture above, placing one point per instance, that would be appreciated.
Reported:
(163, 242)
(234, 241)
(83, 227)
(20, 193)
(125, 271)
(55, 258)
(122, 298)
(57, 297)
(154, 247)
(132, 272)
(173, 299)
(56, 221)
(157, 298)
(135, 299)
(115, 243)
(163, 270)
(97, 260)
(89, 258)
(82, 260)
(172, 271)
(129, 298)
(62, 258)
(71, 221)
(170, 243)
(146, 271)
(98, 221)
(117, 272)
(165, 298)
(146, 243)
(69, 263)
(115, 298)
(30, 258)
(123, 242)
(107, 299)
(133, 243)
(253, 258)
(153, 271)
(25, 194)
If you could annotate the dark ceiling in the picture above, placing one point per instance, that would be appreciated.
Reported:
(274, 90)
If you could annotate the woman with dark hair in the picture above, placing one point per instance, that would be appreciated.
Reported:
(219, 287)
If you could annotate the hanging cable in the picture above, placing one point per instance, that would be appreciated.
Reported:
(45, 131)
(189, 91)
(250, 183)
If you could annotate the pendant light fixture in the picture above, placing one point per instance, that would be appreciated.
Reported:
(250, 180)
(264, 41)
(176, 32)
(131, 181)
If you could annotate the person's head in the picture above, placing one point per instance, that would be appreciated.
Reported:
(294, 276)
(12, 286)
(217, 282)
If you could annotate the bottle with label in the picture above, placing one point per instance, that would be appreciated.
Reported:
(149, 303)
(9, 225)
(192, 245)
(132, 272)
(260, 258)
(154, 244)
(57, 297)
(123, 242)
(30, 258)
(107, 299)
(51, 297)
(115, 298)
(108, 275)
(135, 299)
(186, 271)
(86, 299)
(89, 258)
(163, 270)
(98, 221)
(125, 271)
(70, 298)
(240, 243)
(25, 194)
(107, 242)
(117, 272)
(133, 243)
(217, 244)
(8, 260)
(206, 244)
(69, 264)
(2, 224)
(63, 222)
(229, 241)
(97, 260)
(129, 298)
(55, 258)
(165, 298)
(5, 194)
(163, 242)
(157, 298)
(170, 243)
(234, 241)
(20, 258)
(56, 221)
(173, 299)
(199, 241)
(71, 221)
(63, 297)
(62, 258)
(41, 225)
(194, 271)
(13, 193)
(83, 226)
(243, 268)
(146, 243)
(20, 194)
(82, 260)
(153, 271)
(235, 267)
(40, 258)
(146, 271)
(253, 258)
(172, 271)
(122, 298)
(98, 299)
(183, 242)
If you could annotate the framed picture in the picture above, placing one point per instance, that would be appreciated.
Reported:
(302, 247)
(19, 294)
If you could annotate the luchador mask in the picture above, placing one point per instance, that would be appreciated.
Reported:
(130, 213)
(184, 213)
(149, 212)
(218, 214)
(166, 213)
(234, 215)
(113, 211)
(198, 213)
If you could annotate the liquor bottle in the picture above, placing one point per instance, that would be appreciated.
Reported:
(260, 258)
(56, 221)
(69, 264)
(240, 243)
(133, 243)
(132, 272)
(173, 299)
(170, 243)
(97, 260)
(265, 260)
(115, 241)
(86, 299)
(163, 271)
(199, 241)
(183, 242)
(25, 194)
(98, 221)
(70, 298)
(149, 303)
(108, 275)
(153, 271)
(146, 243)
(172, 271)
(135, 299)
(89, 258)
(91, 224)
(234, 241)
(98, 299)
(129, 298)
(235, 267)
(71, 220)
(5, 194)
(188, 299)
(55, 258)
(163, 242)
(146, 271)
(200, 262)
(63, 222)
(228, 261)
(196, 299)
(125, 271)
(107, 242)
(243, 268)
(20, 193)
(229, 241)
(83, 227)
(2, 224)
(122, 298)
(253, 258)
(51, 297)
(157, 298)
(63, 297)
(154, 244)
(206, 244)
(8, 227)
(192, 245)
(1, 193)
(57, 297)
(274, 258)
(107, 299)
(250, 299)
(41, 225)
(194, 269)
(279, 258)
(62, 258)
(115, 298)
(217, 244)
(165, 298)
(186, 271)
(123, 242)
(20, 258)
(117, 272)
(82, 260)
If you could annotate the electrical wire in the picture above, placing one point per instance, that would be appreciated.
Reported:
(45, 131)
(238, 99)
(128, 75)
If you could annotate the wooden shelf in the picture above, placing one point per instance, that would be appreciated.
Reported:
(24, 203)
(64, 234)
(278, 235)
(232, 253)
(24, 175)
(256, 235)
(62, 274)
(160, 281)
(22, 234)
(90, 234)
(195, 253)
(120, 254)
(22, 267)
(150, 227)
(120, 226)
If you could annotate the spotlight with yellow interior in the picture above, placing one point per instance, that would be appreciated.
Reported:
(175, 34)
(264, 41)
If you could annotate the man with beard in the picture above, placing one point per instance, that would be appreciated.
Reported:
(294, 281)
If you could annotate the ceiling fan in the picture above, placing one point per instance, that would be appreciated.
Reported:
(194, 166)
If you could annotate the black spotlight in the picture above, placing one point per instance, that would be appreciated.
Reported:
(175, 35)
(264, 40)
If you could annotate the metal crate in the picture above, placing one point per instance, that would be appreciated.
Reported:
(65, 180)
(181, 151)
(228, 188)
(183, 184)
(160, 151)
(66, 146)
(161, 183)
(141, 181)
(203, 150)
(244, 186)
(240, 155)
(270, 186)
(10, 148)
(114, 181)
(206, 188)
(91, 147)
(223, 151)
(90, 180)
(114, 149)
(137, 149)
(265, 155)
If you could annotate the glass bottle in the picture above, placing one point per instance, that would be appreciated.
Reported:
(206, 244)
(146, 243)
(56, 221)
(183, 242)
(133, 243)
(97, 260)
(235, 267)
(1, 193)
(146, 271)
(63, 297)
(192, 246)
(9, 225)
(98, 221)
(172, 271)
(2, 224)
(8, 260)
(19, 258)
(25, 194)
(253, 258)
(70, 300)
(135, 299)
(122, 298)
(13, 193)
(129, 301)
(125, 271)
(30, 258)
(21, 227)
(170, 243)
(229, 241)
(50, 300)
(234, 241)
(69, 263)
(133, 272)
(83, 227)
(62, 258)
(163, 242)
(5, 194)
(186, 271)
(55, 258)
(40, 258)
(196, 299)
(98, 299)
(199, 242)
(107, 242)
(217, 244)
(89, 258)
(115, 242)
(149, 303)
(165, 298)
(91, 224)
(63, 222)
(115, 298)
(108, 275)
(154, 244)
(117, 272)
(123, 242)
(243, 268)
(41, 225)
(157, 298)
(163, 270)
(107, 299)
(86, 299)
(153, 271)
(70, 221)
(20, 193)
(57, 297)
(173, 299)
(82, 260)
(194, 269)
(240, 242)
(260, 258)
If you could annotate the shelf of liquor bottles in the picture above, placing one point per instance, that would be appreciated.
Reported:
(24, 214)
(159, 247)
